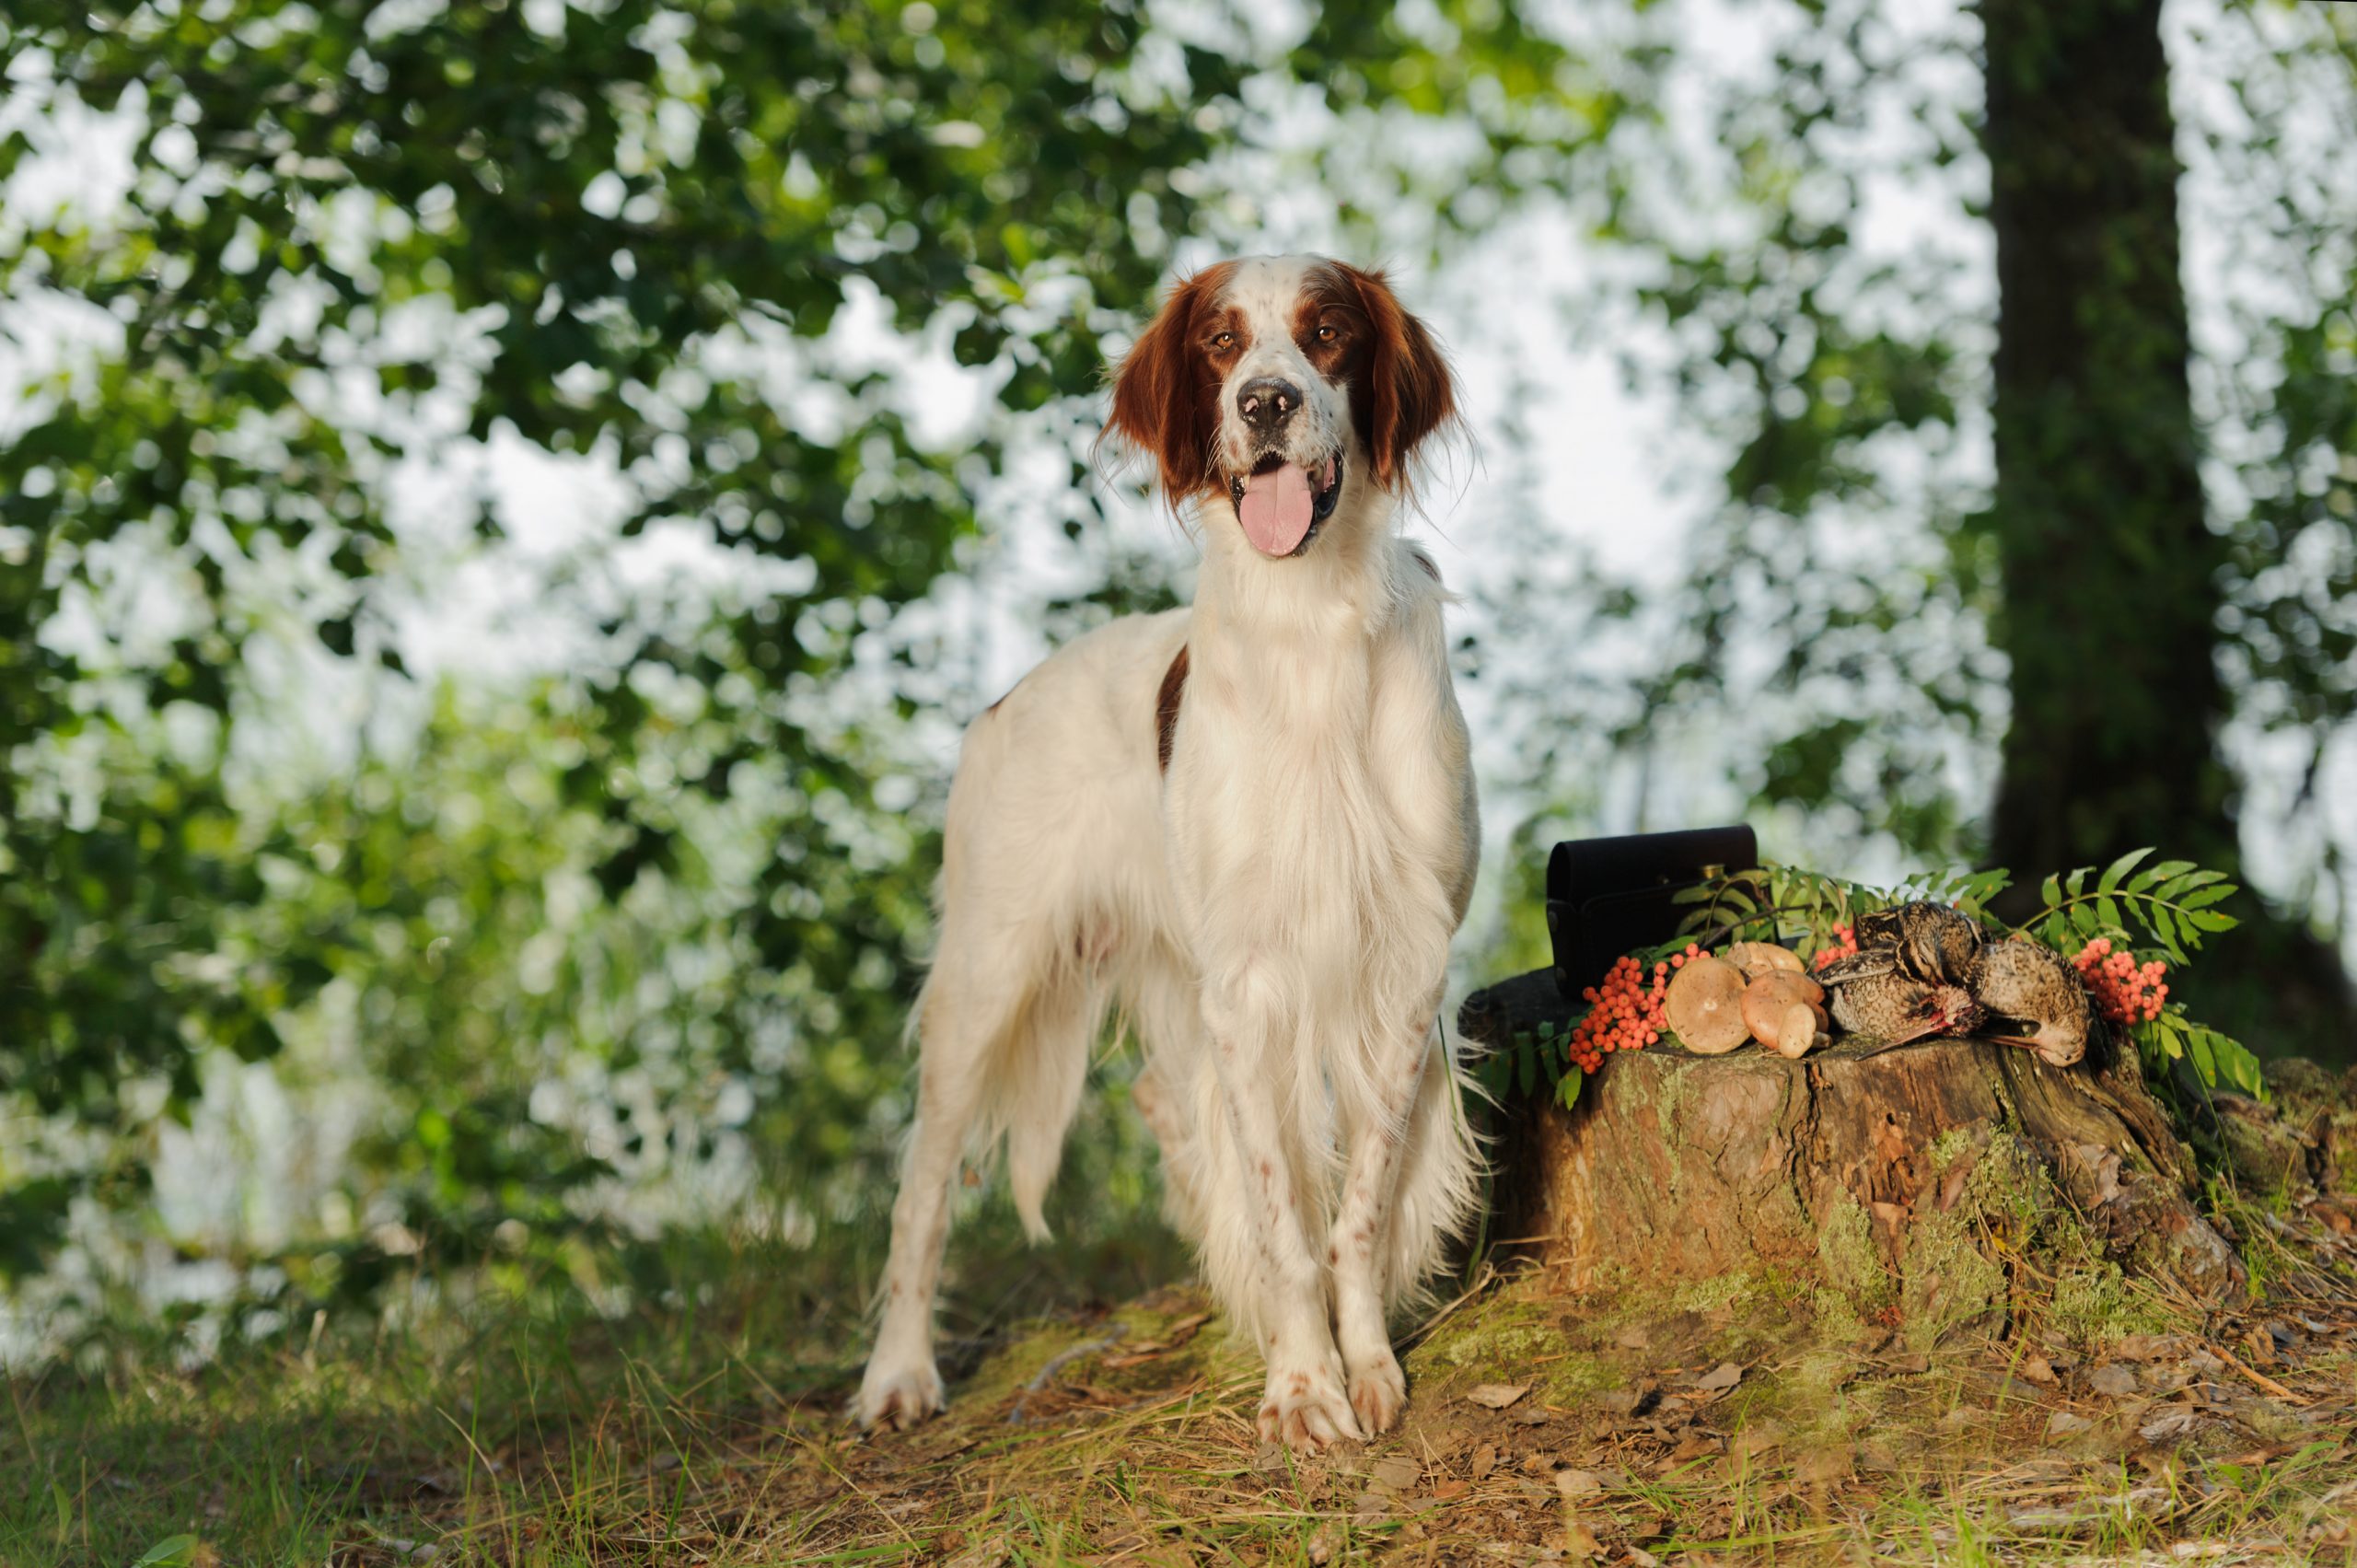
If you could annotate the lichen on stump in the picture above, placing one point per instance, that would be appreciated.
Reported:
(1939, 1178)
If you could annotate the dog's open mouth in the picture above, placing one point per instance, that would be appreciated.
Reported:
(1281, 503)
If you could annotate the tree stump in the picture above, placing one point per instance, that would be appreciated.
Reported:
(1929, 1184)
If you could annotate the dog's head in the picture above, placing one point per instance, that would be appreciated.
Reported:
(1277, 384)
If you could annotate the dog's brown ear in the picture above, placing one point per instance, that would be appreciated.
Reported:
(1406, 392)
(1165, 395)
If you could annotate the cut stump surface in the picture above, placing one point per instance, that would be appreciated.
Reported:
(1926, 1178)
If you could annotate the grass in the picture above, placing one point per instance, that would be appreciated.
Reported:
(704, 1427)
(708, 1431)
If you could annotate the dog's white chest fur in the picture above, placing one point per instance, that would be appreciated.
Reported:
(1301, 818)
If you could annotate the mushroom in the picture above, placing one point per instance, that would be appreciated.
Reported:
(1802, 1027)
(1705, 1007)
(1756, 958)
(1768, 1004)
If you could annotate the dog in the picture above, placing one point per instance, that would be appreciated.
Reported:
(1249, 825)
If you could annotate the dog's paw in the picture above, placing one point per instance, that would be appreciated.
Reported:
(1305, 1409)
(898, 1397)
(1378, 1392)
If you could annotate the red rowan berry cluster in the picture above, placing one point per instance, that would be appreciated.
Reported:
(1624, 1013)
(2127, 992)
(1844, 943)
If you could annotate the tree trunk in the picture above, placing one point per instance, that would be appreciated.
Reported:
(2111, 572)
(1935, 1183)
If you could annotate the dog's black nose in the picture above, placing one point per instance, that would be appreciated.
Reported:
(1266, 402)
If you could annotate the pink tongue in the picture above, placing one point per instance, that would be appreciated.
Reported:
(1275, 510)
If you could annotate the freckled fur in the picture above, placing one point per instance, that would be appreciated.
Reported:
(1271, 915)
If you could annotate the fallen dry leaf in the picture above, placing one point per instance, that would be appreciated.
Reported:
(1693, 1445)
(1400, 1471)
(1631, 1401)
(1498, 1396)
(2113, 1382)
(1577, 1483)
(1722, 1377)
(1485, 1459)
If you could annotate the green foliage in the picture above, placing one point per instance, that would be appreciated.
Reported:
(2170, 902)
(617, 219)
(2222, 1061)
(1786, 905)
(354, 240)
(1535, 1058)
(1844, 629)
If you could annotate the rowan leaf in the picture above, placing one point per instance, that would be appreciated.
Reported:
(2120, 868)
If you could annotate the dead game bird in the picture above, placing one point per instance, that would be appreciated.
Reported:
(2037, 997)
(1896, 1008)
(1933, 943)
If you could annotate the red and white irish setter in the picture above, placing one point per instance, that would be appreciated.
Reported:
(1248, 826)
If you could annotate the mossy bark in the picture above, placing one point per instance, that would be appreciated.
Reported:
(1858, 1168)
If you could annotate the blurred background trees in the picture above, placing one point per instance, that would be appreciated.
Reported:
(503, 506)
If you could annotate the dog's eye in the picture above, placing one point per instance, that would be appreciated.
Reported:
(1223, 340)
(1327, 335)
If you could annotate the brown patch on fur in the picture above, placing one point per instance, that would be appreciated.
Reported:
(1165, 707)
(1166, 394)
(1406, 392)
(1330, 326)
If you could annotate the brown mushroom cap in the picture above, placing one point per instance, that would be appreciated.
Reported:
(1798, 1032)
(1767, 1001)
(1705, 1007)
(1756, 958)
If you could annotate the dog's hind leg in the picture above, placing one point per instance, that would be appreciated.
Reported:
(1036, 1077)
(1163, 1004)
(961, 1015)
(1003, 1046)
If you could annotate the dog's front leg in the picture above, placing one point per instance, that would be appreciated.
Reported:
(1305, 1404)
(1359, 1244)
